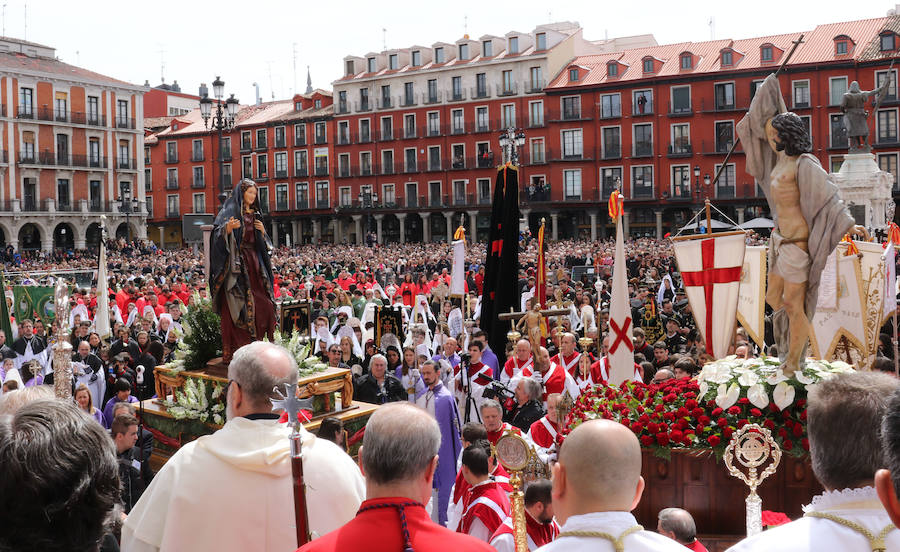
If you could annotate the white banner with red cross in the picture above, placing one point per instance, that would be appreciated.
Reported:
(710, 268)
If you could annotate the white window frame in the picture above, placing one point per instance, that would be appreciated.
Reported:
(566, 195)
(575, 154)
(194, 197)
(672, 98)
(794, 93)
(831, 81)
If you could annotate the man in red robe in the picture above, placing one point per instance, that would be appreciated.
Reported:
(553, 377)
(518, 366)
(602, 366)
(539, 524)
(544, 433)
(567, 356)
(393, 517)
(472, 433)
(486, 505)
(492, 417)
(469, 381)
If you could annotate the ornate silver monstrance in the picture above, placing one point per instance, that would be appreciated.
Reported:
(752, 446)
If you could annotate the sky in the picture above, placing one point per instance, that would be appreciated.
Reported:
(265, 40)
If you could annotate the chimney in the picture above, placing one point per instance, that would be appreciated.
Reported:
(175, 87)
(204, 91)
(258, 99)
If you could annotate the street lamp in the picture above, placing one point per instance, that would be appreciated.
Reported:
(367, 201)
(127, 204)
(697, 180)
(222, 120)
(706, 183)
(510, 142)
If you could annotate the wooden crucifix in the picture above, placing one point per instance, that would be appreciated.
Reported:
(530, 321)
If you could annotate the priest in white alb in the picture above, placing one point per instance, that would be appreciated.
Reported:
(233, 490)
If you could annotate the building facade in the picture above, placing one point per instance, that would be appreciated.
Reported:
(70, 152)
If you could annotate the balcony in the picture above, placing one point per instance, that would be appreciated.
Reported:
(364, 137)
(225, 154)
(125, 122)
(61, 117)
(412, 202)
(610, 111)
(457, 129)
(365, 170)
(643, 149)
(680, 150)
(27, 157)
(126, 164)
(385, 103)
(409, 133)
(172, 213)
(172, 183)
(568, 155)
(322, 203)
(299, 141)
(302, 204)
(387, 168)
(460, 163)
(407, 101)
(171, 158)
(262, 176)
(508, 89)
(433, 97)
(642, 192)
(456, 95)
(535, 157)
(535, 87)
(64, 206)
(301, 172)
(342, 108)
(485, 126)
(226, 182)
(386, 135)
(725, 191)
(343, 139)
(642, 110)
(681, 192)
(434, 130)
(480, 92)
(717, 147)
(680, 110)
(197, 157)
(281, 173)
(434, 165)
(320, 138)
(25, 112)
(321, 170)
(281, 205)
(411, 166)
(344, 172)
(246, 146)
(611, 151)
(198, 183)
(434, 202)
(362, 106)
(722, 105)
(485, 160)
(262, 144)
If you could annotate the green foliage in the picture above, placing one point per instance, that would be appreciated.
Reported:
(204, 339)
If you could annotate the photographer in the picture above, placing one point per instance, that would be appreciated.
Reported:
(528, 407)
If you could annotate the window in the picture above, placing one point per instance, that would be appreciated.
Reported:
(459, 192)
(801, 93)
(456, 88)
(363, 99)
(386, 95)
(643, 140)
(261, 139)
(724, 96)
(434, 158)
(838, 132)
(536, 113)
(63, 195)
(416, 58)
(365, 163)
(487, 48)
(95, 196)
(572, 143)
(571, 107)
(281, 170)
(509, 115)
(888, 163)
(27, 153)
(342, 102)
(122, 118)
(408, 94)
(409, 125)
(226, 176)
(612, 69)
(681, 182)
(459, 156)
(481, 119)
(643, 102)
(887, 126)
(611, 179)
(434, 123)
(197, 181)
(681, 139)
(93, 110)
(26, 102)
(439, 55)
(348, 67)
(537, 152)
(537, 79)
(171, 179)
(262, 166)
(541, 41)
(888, 42)
(62, 150)
(245, 141)
(263, 198)
(725, 186)
(320, 156)
(226, 148)
(837, 87)
(279, 137)
(409, 160)
(641, 182)
(513, 45)
(302, 191)
(434, 194)
(432, 91)
(841, 47)
(612, 143)
(393, 61)
(484, 191)
(457, 124)
(754, 86)
(724, 136)
(344, 164)
(881, 76)
(648, 65)
(365, 131)
(387, 128)
(371, 64)
(172, 206)
(463, 51)
(610, 106)
(481, 85)
(321, 133)
(387, 162)
(94, 152)
(61, 106)
(301, 167)
(572, 184)
(199, 202)
(687, 61)
(281, 197)
(343, 137)
(727, 58)
(681, 99)
(507, 82)
(344, 198)
(573, 75)
(767, 53)
(124, 150)
(197, 150)
(388, 197)
(247, 166)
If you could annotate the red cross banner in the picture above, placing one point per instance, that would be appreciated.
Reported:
(621, 349)
(711, 270)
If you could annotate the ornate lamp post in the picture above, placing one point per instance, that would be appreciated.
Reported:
(510, 141)
(127, 205)
(222, 120)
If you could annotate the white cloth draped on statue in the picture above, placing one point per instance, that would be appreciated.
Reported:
(232, 491)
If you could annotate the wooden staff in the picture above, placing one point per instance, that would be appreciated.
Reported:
(291, 405)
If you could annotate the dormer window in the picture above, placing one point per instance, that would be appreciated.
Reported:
(573, 75)
(463, 51)
(416, 58)
(842, 45)
(541, 41)
(318, 104)
(439, 55)
(487, 48)
(348, 67)
(393, 61)
(767, 53)
(298, 106)
(888, 41)
(648, 64)
(727, 58)
(513, 45)
(612, 69)
(687, 61)
(371, 62)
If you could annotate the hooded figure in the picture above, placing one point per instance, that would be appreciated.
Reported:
(241, 271)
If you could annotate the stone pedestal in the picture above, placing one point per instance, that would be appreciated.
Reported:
(865, 189)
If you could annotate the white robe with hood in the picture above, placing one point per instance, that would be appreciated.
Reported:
(232, 491)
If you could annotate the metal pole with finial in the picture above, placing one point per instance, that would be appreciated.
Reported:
(291, 405)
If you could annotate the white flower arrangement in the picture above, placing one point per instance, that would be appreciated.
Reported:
(761, 380)
(196, 401)
(306, 364)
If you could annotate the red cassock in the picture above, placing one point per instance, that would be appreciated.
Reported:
(514, 366)
(461, 487)
(544, 433)
(570, 363)
(486, 502)
(554, 381)
(494, 436)
(539, 534)
(377, 528)
(602, 368)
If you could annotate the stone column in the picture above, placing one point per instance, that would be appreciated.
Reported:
(426, 227)
(336, 235)
(659, 232)
(402, 218)
(162, 236)
(357, 223)
(449, 218)
(80, 243)
(554, 226)
(525, 213)
(295, 233)
(47, 241)
(593, 217)
(379, 219)
(317, 230)
(473, 225)
(626, 216)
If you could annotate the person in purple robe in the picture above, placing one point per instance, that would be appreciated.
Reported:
(440, 404)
